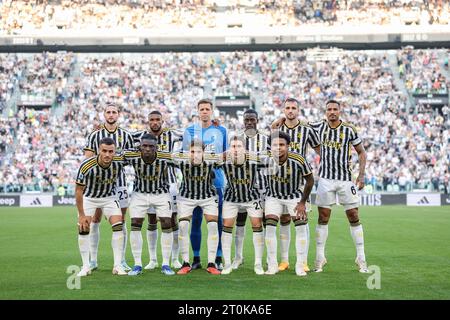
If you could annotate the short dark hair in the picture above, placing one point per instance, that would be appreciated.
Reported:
(279, 134)
(291, 100)
(251, 111)
(148, 136)
(333, 101)
(238, 138)
(155, 112)
(108, 141)
(112, 104)
(205, 101)
(197, 143)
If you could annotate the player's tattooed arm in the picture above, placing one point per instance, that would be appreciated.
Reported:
(278, 123)
(362, 165)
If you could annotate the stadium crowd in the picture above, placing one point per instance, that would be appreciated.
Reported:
(19, 16)
(421, 72)
(406, 148)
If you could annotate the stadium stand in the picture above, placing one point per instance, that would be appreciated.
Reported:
(41, 147)
(20, 16)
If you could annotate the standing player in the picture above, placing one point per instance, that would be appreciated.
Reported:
(255, 142)
(337, 138)
(301, 135)
(123, 140)
(96, 189)
(241, 193)
(151, 189)
(215, 139)
(197, 191)
(166, 141)
(285, 194)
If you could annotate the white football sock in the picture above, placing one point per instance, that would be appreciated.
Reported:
(239, 242)
(152, 241)
(183, 238)
(358, 238)
(125, 241)
(300, 243)
(321, 240)
(305, 256)
(94, 236)
(136, 246)
(285, 239)
(213, 241)
(175, 245)
(227, 238)
(166, 246)
(83, 245)
(271, 243)
(258, 243)
(117, 246)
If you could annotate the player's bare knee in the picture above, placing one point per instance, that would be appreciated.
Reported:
(117, 226)
(299, 222)
(323, 219)
(228, 222)
(256, 228)
(324, 215)
(152, 218)
(353, 217)
(136, 224)
(166, 224)
(210, 218)
(241, 218)
(174, 220)
(97, 218)
(227, 229)
(285, 220)
(83, 232)
(271, 220)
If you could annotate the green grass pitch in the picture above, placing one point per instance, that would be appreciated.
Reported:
(410, 245)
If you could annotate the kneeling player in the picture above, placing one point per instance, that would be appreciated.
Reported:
(151, 189)
(96, 189)
(285, 173)
(241, 194)
(197, 190)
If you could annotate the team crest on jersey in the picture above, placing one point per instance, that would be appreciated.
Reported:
(299, 135)
(120, 139)
(341, 136)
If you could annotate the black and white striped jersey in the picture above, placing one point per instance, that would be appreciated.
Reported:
(166, 142)
(197, 182)
(149, 177)
(241, 186)
(301, 136)
(335, 149)
(285, 180)
(121, 137)
(99, 182)
(255, 145)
